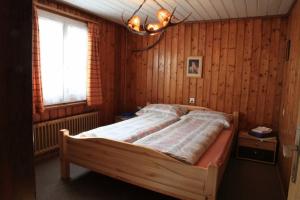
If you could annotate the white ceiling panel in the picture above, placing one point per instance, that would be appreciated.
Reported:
(200, 9)
(220, 8)
(252, 7)
(285, 6)
(262, 7)
(230, 7)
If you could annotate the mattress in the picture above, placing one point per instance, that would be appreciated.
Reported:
(186, 140)
(216, 154)
(132, 129)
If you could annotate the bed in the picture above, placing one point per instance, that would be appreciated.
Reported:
(132, 129)
(150, 168)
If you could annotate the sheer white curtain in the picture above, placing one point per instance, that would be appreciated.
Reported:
(63, 49)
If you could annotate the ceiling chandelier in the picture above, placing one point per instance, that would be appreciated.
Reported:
(165, 20)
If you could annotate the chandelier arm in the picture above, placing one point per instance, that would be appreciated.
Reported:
(158, 4)
(142, 33)
(145, 24)
(137, 10)
(184, 19)
(152, 45)
(123, 20)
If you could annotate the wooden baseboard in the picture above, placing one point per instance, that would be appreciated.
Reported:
(45, 156)
(284, 194)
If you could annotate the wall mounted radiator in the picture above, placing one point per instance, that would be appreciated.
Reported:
(45, 134)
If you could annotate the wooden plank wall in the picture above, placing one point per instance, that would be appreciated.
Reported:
(111, 36)
(290, 94)
(243, 63)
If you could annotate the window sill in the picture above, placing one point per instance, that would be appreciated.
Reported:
(65, 105)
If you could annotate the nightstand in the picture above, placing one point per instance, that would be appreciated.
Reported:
(119, 118)
(256, 149)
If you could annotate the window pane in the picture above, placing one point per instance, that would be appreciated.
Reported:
(64, 46)
(51, 52)
(75, 63)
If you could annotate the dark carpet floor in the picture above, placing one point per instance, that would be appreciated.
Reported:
(243, 180)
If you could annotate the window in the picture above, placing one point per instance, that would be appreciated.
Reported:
(63, 54)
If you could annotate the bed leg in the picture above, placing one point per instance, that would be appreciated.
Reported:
(64, 163)
(236, 122)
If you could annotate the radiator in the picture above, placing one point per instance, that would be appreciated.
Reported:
(45, 134)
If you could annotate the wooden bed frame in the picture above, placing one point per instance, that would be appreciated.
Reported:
(143, 166)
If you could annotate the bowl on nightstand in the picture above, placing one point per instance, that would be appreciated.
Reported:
(124, 116)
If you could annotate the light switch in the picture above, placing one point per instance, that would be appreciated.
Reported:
(192, 100)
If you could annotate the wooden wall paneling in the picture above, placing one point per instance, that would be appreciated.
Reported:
(239, 65)
(263, 72)
(254, 72)
(247, 65)
(208, 63)
(112, 87)
(123, 69)
(187, 53)
(149, 70)
(280, 73)
(223, 66)
(167, 74)
(131, 73)
(155, 74)
(144, 71)
(237, 60)
(273, 68)
(174, 65)
(215, 64)
(181, 64)
(231, 65)
(139, 69)
(201, 52)
(161, 70)
(194, 52)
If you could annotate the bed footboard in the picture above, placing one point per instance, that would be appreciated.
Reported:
(139, 166)
(142, 166)
(63, 154)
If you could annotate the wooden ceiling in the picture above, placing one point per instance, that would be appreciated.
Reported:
(200, 9)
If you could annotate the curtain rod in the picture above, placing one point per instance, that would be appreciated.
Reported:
(66, 14)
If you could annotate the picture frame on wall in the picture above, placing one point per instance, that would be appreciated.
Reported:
(194, 66)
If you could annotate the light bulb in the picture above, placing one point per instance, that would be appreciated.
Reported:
(153, 27)
(135, 23)
(163, 16)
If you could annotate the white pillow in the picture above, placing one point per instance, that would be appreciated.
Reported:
(221, 117)
(170, 109)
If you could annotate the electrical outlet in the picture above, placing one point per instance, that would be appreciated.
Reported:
(192, 100)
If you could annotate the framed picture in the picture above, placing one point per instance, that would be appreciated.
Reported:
(194, 66)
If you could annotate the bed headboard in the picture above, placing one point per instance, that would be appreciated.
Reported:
(235, 114)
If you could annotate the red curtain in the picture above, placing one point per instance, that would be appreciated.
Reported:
(94, 91)
(38, 105)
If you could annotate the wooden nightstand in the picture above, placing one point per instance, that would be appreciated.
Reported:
(120, 118)
(256, 149)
